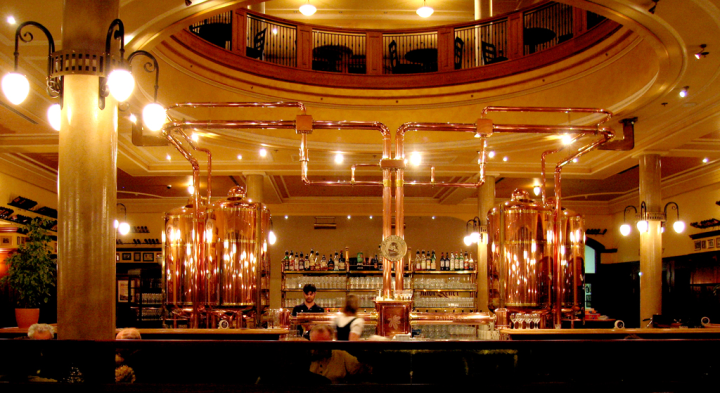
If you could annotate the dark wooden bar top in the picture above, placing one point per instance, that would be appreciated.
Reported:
(609, 334)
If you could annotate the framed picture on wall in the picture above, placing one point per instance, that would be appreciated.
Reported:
(148, 257)
(136, 257)
(704, 244)
(698, 245)
(711, 243)
(5, 240)
(126, 256)
(21, 240)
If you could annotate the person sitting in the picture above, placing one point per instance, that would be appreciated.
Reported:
(124, 373)
(348, 325)
(335, 365)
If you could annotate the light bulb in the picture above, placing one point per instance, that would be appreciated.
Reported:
(153, 116)
(642, 226)
(625, 229)
(475, 237)
(116, 224)
(132, 118)
(536, 190)
(415, 158)
(121, 84)
(679, 226)
(191, 189)
(124, 228)
(467, 240)
(54, 116)
(272, 238)
(684, 91)
(425, 11)
(339, 158)
(567, 139)
(263, 152)
(16, 87)
(307, 9)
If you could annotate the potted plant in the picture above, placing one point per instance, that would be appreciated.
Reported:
(32, 272)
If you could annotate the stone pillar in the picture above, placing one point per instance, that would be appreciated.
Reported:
(254, 182)
(486, 200)
(650, 241)
(87, 186)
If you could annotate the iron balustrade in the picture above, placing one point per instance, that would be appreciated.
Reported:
(271, 41)
(547, 26)
(217, 29)
(469, 41)
(593, 19)
(413, 53)
(339, 52)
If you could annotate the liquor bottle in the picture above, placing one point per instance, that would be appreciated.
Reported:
(305, 262)
(423, 261)
(368, 263)
(451, 265)
(471, 262)
(433, 262)
(311, 259)
(458, 261)
(323, 263)
(295, 262)
(360, 258)
(341, 262)
(466, 261)
(286, 262)
(445, 262)
(417, 261)
(335, 262)
(331, 262)
(375, 262)
(428, 261)
(379, 257)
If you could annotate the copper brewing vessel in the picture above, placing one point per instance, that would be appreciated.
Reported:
(236, 233)
(572, 260)
(519, 255)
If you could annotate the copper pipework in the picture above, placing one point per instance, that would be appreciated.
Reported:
(628, 141)
(488, 109)
(280, 104)
(209, 157)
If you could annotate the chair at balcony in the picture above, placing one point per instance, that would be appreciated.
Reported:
(459, 45)
(258, 49)
(215, 33)
(400, 68)
(490, 55)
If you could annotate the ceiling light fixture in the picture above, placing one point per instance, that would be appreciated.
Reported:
(263, 152)
(706, 160)
(702, 52)
(505, 158)
(308, 9)
(536, 190)
(339, 158)
(239, 157)
(652, 10)
(425, 11)
(122, 227)
(684, 91)
(11, 20)
(415, 158)
(491, 153)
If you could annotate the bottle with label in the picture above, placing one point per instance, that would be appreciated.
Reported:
(286, 261)
(418, 264)
(443, 262)
(341, 262)
(428, 261)
(295, 264)
(433, 262)
(466, 261)
(301, 261)
(323, 263)
(375, 262)
(451, 264)
(460, 261)
(335, 262)
(471, 262)
(360, 258)
(311, 260)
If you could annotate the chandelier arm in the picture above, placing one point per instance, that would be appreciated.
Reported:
(148, 67)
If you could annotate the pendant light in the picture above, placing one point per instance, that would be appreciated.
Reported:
(308, 9)
(425, 11)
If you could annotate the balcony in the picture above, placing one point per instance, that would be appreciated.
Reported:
(446, 55)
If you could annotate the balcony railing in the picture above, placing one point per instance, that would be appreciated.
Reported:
(458, 47)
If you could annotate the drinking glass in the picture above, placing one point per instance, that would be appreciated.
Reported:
(513, 319)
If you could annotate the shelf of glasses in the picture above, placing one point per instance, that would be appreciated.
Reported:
(443, 290)
(444, 272)
(314, 272)
(318, 289)
(363, 290)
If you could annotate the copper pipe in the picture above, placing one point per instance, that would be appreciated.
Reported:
(399, 205)
(447, 127)
(542, 165)
(546, 109)
(209, 156)
(280, 104)
(233, 124)
(544, 129)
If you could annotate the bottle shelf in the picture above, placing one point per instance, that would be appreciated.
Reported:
(443, 290)
(444, 272)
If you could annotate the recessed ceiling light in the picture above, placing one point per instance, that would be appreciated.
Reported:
(286, 217)
(684, 91)
(11, 20)
(706, 160)
(239, 156)
(132, 118)
(263, 152)
(339, 158)
(371, 217)
(415, 158)
(348, 217)
(195, 137)
(433, 217)
(491, 154)
(167, 157)
(505, 158)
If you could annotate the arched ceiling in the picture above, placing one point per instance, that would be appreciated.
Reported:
(636, 72)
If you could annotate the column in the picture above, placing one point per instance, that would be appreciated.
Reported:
(650, 241)
(254, 182)
(87, 187)
(483, 9)
(486, 200)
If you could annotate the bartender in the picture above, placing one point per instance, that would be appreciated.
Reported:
(308, 305)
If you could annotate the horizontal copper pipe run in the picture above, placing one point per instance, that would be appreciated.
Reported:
(547, 109)
(540, 129)
(233, 124)
(279, 104)
(542, 164)
(444, 127)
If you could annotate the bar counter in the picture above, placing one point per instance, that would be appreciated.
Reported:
(609, 334)
(183, 334)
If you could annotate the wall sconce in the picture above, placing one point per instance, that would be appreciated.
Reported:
(271, 235)
(678, 225)
(472, 235)
(116, 80)
(702, 52)
(625, 227)
(122, 227)
(642, 224)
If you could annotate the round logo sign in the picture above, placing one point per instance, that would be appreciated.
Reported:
(393, 248)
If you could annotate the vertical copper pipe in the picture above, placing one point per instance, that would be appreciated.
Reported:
(260, 237)
(399, 205)
(557, 265)
(387, 215)
(209, 157)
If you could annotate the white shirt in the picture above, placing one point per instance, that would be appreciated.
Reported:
(356, 326)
